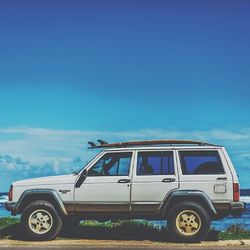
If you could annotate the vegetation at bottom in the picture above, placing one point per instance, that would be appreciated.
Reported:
(235, 232)
(121, 230)
(8, 221)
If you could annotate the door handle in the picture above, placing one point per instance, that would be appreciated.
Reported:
(123, 181)
(221, 178)
(168, 180)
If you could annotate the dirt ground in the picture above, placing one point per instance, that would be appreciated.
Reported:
(115, 244)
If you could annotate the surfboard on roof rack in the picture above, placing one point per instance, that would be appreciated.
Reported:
(150, 143)
(102, 142)
(91, 144)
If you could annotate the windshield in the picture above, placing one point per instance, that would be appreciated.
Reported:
(86, 163)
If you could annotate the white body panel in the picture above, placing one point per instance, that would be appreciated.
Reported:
(65, 182)
(103, 189)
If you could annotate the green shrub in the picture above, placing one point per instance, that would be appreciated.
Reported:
(235, 232)
(7, 221)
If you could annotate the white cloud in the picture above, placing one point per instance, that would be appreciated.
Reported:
(48, 151)
(13, 169)
(40, 144)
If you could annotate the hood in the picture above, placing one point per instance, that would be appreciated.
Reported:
(50, 180)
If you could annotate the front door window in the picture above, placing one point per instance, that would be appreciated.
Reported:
(112, 164)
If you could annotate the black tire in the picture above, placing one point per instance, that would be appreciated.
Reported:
(182, 226)
(41, 212)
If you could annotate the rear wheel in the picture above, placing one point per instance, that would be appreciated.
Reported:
(41, 221)
(188, 222)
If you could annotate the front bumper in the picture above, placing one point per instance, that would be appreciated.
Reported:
(10, 206)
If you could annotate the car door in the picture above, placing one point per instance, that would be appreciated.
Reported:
(107, 184)
(154, 176)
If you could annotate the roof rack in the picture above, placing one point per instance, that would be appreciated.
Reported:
(146, 143)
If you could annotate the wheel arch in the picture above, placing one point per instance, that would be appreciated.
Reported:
(187, 195)
(49, 195)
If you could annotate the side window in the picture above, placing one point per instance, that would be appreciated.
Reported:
(112, 164)
(201, 162)
(155, 163)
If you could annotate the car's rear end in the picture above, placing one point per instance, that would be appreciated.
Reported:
(234, 206)
(210, 170)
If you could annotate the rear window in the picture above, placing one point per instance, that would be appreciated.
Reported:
(201, 162)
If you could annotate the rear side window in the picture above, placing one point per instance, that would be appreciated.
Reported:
(201, 162)
(155, 163)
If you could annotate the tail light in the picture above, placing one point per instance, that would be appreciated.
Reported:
(10, 194)
(236, 191)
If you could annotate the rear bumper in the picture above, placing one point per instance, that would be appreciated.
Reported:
(237, 208)
(232, 208)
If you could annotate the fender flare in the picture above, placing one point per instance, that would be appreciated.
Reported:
(33, 192)
(187, 195)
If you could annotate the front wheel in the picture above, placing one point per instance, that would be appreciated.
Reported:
(188, 222)
(41, 221)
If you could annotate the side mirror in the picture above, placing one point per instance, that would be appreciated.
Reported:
(81, 179)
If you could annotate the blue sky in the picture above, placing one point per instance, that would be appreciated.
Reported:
(121, 70)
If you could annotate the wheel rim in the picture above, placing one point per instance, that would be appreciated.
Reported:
(40, 221)
(188, 222)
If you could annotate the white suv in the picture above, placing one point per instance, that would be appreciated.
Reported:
(187, 183)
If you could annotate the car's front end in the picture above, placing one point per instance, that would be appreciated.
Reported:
(60, 187)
